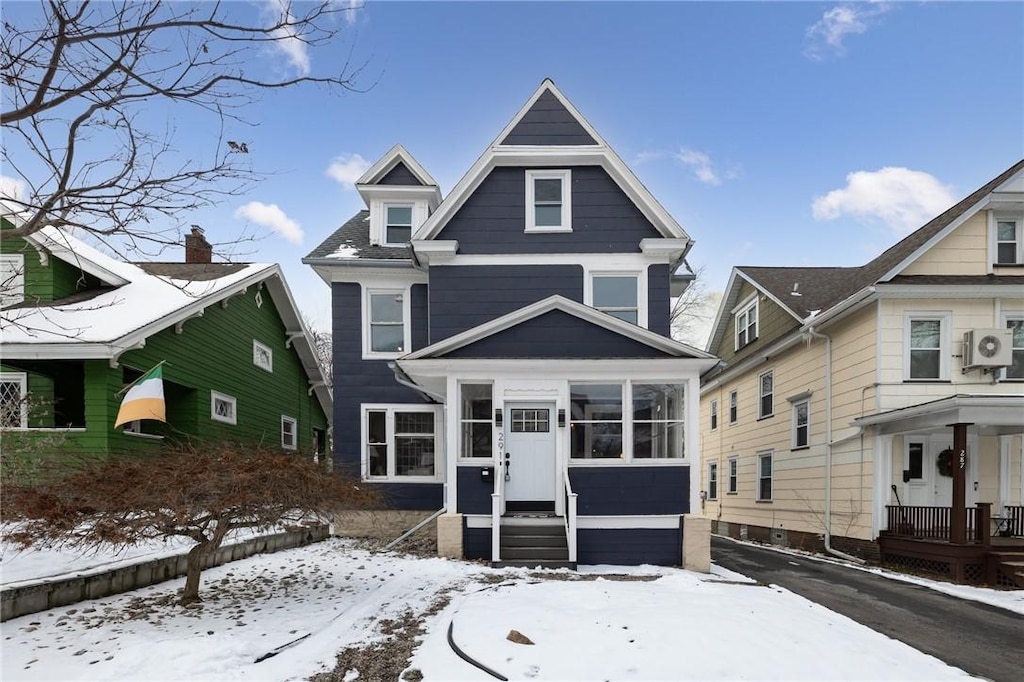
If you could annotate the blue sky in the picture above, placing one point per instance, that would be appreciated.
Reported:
(775, 133)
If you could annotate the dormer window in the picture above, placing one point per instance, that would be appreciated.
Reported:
(397, 224)
(548, 201)
(1008, 242)
(746, 322)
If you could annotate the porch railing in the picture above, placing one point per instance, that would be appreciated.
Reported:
(934, 523)
(1014, 521)
(570, 515)
(497, 511)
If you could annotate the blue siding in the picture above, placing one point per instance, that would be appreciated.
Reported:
(548, 122)
(358, 381)
(493, 219)
(556, 334)
(474, 494)
(476, 542)
(631, 490)
(399, 175)
(659, 300)
(629, 546)
(419, 312)
(462, 297)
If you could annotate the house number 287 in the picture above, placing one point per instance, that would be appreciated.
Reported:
(963, 459)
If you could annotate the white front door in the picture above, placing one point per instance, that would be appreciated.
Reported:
(926, 485)
(529, 452)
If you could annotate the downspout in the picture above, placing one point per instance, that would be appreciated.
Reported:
(828, 448)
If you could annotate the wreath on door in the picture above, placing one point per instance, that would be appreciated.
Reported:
(944, 463)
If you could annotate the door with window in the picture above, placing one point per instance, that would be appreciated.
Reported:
(529, 455)
(929, 483)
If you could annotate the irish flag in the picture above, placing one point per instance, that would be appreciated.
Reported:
(145, 399)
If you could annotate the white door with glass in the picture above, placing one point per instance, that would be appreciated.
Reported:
(529, 457)
(930, 482)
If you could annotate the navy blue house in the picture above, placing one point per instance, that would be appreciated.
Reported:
(503, 354)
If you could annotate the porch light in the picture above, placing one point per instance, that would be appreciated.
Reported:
(561, 419)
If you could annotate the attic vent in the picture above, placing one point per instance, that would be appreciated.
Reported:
(796, 288)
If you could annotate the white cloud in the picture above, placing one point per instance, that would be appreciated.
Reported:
(347, 168)
(825, 37)
(285, 39)
(901, 198)
(271, 215)
(701, 165)
(12, 188)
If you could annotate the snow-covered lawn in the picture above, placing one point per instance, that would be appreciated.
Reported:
(650, 624)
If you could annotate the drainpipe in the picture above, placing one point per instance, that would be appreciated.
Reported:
(828, 448)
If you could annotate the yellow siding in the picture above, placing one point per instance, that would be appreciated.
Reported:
(964, 251)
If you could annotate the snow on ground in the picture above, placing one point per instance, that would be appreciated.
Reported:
(643, 623)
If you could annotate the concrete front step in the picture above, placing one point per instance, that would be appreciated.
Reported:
(533, 540)
(529, 553)
(571, 565)
(553, 531)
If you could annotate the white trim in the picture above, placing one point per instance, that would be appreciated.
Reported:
(295, 432)
(378, 221)
(436, 251)
(714, 418)
(20, 378)
(793, 427)
(12, 286)
(1001, 216)
(717, 481)
(957, 291)
(1004, 472)
(391, 158)
(1004, 317)
(945, 318)
(386, 207)
(654, 521)
(880, 495)
(389, 409)
(761, 394)
(565, 176)
(460, 419)
(750, 304)
(258, 351)
(734, 406)
(367, 296)
(640, 287)
(732, 473)
(69, 250)
(758, 456)
(223, 397)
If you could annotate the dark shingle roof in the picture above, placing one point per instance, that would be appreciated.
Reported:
(964, 280)
(355, 234)
(802, 290)
(193, 272)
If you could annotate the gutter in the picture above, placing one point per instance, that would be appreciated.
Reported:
(402, 378)
(828, 447)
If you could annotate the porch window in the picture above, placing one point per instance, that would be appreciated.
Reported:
(714, 415)
(596, 421)
(658, 411)
(733, 475)
(1016, 368)
(398, 227)
(926, 343)
(548, 201)
(400, 442)
(764, 476)
(801, 423)
(477, 421)
(13, 400)
(733, 407)
(766, 395)
(713, 481)
(386, 328)
(617, 295)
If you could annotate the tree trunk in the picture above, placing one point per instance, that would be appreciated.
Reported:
(195, 569)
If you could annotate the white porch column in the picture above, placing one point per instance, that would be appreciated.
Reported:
(882, 481)
(451, 445)
(1004, 473)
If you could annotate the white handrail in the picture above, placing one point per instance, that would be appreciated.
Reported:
(497, 510)
(570, 515)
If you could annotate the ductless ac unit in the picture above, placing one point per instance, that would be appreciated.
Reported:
(988, 348)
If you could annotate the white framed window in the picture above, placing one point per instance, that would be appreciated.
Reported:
(658, 421)
(733, 472)
(746, 322)
(733, 407)
(596, 421)
(714, 415)
(476, 416)
(12, 279)
(801, 423)
(223, 408)
(713, 481)
(764, 476)
(1007, 239)
(262, 356)
(1015, 322)
(386, 332)
(289, 433)
(548, 200)
(397, 224)
(627, 422)
(766, 394)
(400, 442)
(617, 294)
(926, 344)
(13, 400)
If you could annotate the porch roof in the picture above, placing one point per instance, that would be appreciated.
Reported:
(992, 414)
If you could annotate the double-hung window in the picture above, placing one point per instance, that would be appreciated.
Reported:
(713, 481)
(1016, 369)
(926, 344)
(386, 327)
(658, 423)
(714, 415)
(397, 224)
(399, 442)
(477, 422)
(764, 476)
(746, 322)
(13, 403)
(1009, 241)
(733, 483)
(289, 433)
(766, 394)
(733, 407)
(617, 295)
(801, 423)
(548, 201)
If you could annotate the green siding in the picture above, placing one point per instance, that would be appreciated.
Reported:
(49, 282)
(772, 323)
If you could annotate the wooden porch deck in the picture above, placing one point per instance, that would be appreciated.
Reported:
(918, 539)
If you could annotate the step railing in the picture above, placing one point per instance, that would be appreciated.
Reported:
(497, 511)
(570, 515)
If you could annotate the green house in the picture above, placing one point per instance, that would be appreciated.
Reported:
(77, 327)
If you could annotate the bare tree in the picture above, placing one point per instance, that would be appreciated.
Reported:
(323, 345)
(81, 134)
(693, 311)
(198, 493)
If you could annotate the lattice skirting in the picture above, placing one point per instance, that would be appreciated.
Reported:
(974, 573)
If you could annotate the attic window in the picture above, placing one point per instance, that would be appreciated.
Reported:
(1009, 241)
(12, 279)
(746, 323)
(548, 201)
(398, 224)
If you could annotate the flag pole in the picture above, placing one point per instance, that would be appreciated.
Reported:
(140, 377)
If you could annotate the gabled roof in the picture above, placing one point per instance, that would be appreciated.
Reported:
(502, 152)
(561, 304)
(392, 158)
(147, 298)
(352, 242)
(824, 288)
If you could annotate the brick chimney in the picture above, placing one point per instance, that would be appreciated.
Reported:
(197, 249)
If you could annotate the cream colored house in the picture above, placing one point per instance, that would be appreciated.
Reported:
(839, 388)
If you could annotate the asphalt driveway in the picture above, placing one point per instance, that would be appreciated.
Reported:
(983, 640)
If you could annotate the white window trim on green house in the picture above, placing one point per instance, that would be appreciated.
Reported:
(262, 356)
(19, 379)
(12, 279)
(231, 415)
(289, 432)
